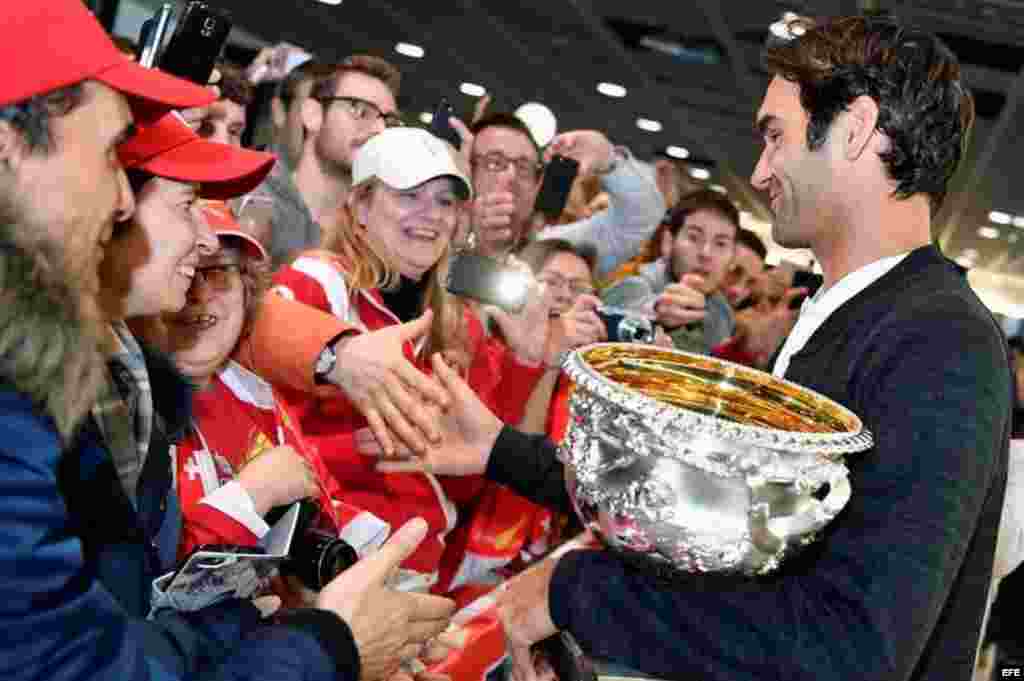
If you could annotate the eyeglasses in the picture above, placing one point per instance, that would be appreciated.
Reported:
(366, 112)
(217, 277)
(496, 162)
(578, 287)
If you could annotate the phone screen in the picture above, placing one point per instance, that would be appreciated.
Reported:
(559, 175)
(486, 280)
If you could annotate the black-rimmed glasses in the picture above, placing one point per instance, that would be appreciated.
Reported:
(365, 111)
(496, 162)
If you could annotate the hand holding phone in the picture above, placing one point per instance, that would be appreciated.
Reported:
(441, 126)
(197, 43)
(559, 175)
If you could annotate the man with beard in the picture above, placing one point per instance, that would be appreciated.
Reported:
(351, 104)
(681, 289)
(63, 116)
(864, 123)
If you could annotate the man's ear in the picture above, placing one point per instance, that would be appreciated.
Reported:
(312, 115)
(861, 123)
(667, 241)
(12, 147)
(278, 115)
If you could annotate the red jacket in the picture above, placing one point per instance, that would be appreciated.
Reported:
(235, 420)
(329, 421)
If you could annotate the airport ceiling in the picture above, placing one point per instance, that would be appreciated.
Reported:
(692, 65)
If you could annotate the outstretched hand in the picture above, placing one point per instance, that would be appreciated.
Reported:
(468, 433)
(389, 627)
(374, 373)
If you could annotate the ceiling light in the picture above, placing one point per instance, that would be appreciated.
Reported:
(1013, 238)
(472, 89)
(677, 152)
(611, 90)
(540, 120)
(718, 188)
(331, 2)
(1000, 218)
(1018, 221)
(410, 50)
(700, 173)
(426, 117)
(988, 232)
(648, 125)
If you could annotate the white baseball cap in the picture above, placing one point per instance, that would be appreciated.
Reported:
(404, 158)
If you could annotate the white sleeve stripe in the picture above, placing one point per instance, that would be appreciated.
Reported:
(330, 281)
(232, 500)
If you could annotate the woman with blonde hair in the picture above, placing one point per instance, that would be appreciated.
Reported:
(387, 267)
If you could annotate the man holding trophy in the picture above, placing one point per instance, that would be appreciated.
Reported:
(864, 123)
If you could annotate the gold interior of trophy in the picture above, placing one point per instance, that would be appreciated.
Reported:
(714, 388)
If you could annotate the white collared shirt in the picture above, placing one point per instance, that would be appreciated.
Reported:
(815, 311)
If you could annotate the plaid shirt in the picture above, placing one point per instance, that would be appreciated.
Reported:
(124, 412)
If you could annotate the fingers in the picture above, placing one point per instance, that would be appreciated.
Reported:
(464, 134)
(427, 388)
(425, 630)
(376, 568)
(396, 419)
(367, 445)
(267, 605)
(522, 664)
(405, 466)
(694, 281)
(450, 380)
(417, 328)
(380, 430)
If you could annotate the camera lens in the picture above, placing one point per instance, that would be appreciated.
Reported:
(317, 557)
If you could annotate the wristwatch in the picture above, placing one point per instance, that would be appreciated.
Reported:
(328, 358)
(325, 363)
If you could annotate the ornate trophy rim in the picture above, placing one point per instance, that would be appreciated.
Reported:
(692, 423)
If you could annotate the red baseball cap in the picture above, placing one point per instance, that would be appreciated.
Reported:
(218, 214)
(169, 148)
(57, 43)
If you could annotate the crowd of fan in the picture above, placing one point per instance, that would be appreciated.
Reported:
(271, 323)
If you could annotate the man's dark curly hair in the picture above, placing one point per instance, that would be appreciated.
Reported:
(924, 110)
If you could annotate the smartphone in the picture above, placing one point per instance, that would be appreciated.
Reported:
(488, 281)
(152, 33)
(197, 43)
(442, 128)
(559, 175)
(808, 280)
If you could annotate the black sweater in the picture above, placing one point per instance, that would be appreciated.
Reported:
(897, 587)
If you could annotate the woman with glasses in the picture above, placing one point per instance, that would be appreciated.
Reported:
(235, 461)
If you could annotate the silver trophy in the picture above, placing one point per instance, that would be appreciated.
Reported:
(701, 465)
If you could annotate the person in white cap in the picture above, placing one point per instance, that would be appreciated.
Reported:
(64, 112)
(384, 285)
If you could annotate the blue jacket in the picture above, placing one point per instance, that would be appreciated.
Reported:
(60, 622)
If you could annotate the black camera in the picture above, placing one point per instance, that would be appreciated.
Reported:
(625, 328)
(316, 557)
